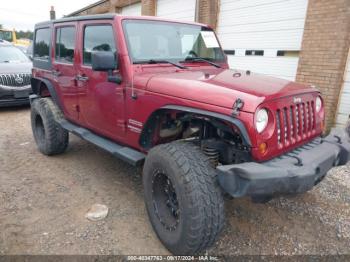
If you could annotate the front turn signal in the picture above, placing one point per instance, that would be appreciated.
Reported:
(262, 148)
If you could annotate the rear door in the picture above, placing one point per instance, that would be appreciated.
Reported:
(64, 68)
(101, 102)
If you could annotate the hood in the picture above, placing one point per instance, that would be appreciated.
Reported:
(15, 68)
(221, 87)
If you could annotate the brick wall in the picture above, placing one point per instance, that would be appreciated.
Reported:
(207, 12)
(105, 6)
(324, 50)
(100, 7)
(121, 3)
(149, 7)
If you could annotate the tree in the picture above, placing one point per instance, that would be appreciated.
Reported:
(0, 26)
(24, 34)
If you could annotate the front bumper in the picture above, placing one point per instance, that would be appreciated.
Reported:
(14, 96)
(295, 172)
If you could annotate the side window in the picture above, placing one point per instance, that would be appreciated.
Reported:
(97, 38)
(6, 35)
(65, 43)
(42, 44)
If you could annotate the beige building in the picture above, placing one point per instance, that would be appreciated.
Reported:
(303, 40)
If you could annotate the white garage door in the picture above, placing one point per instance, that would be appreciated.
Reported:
(344, 99)
(263, 36)
(134, 9)
(183, 10)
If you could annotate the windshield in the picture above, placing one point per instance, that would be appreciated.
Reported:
(158, 40)
(10, 54)
(6, 35)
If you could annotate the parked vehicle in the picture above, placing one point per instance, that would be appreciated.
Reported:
(15, 75)
(10, 36)
(160, 93)
(29, 51)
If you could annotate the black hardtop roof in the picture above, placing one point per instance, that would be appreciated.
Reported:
(76, 18)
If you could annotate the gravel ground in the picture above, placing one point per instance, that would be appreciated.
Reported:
(43, 202)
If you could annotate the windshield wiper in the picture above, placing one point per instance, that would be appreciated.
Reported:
(200, 59)
(152, 61)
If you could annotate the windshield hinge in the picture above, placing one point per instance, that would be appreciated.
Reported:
(237, 105)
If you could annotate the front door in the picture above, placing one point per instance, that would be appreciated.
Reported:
(101, 102)
(64, 69)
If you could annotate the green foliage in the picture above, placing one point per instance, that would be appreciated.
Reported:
(42, 49)
(24, 34)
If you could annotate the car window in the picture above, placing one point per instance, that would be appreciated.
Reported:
(6, 35)
(159, 40)
(11, 54)
(97, 38)
(42, 44)
(65, 42)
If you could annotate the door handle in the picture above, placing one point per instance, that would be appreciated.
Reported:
(82, 78)
(56, 72)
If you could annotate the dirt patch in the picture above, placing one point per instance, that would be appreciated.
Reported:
(43, 202)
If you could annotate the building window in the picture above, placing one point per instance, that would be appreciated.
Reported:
(42, 44)
(230, 52)
(289, 53)
(97, 38)
(254, 52)
(65, 43)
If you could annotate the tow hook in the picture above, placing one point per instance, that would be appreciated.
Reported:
(338, 139)
(299, 163)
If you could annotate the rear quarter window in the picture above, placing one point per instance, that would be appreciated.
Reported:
(42, 44)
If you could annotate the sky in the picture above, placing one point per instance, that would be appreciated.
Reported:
(23, 14)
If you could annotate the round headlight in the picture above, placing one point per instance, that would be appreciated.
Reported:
(262, 118)
(318, 104)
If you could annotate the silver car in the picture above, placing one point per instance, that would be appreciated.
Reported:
(15, 74)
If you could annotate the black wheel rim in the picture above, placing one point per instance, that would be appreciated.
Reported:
(39, 128)
(165, 202)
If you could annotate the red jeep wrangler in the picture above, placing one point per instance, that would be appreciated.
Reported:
(160, 93)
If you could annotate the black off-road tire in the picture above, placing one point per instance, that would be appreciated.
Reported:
(199, 197)
(50, 137)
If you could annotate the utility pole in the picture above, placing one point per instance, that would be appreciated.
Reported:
(52, 13)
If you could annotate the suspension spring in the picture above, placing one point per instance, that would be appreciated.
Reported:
(212, 154)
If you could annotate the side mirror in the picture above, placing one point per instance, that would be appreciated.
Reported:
(103, 61)
(106, 61)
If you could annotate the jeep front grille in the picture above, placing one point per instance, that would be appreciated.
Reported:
(15, 80)
(295, 123)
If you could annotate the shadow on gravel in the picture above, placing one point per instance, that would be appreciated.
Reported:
(43, 202)
(14, 108)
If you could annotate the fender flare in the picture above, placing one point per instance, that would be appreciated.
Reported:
(149, 126)
(36, 87)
